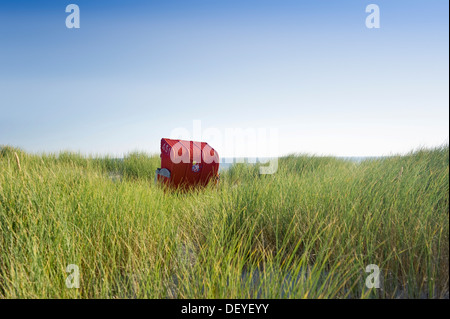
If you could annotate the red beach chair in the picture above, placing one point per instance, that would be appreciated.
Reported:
(187, 163)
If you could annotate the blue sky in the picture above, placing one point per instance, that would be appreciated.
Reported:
(137, 70)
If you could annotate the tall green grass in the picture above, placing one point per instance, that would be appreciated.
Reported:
(307, 231)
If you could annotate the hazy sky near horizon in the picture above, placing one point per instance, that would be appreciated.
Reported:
(311, 70)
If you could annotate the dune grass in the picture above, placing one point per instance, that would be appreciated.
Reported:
(307, 231)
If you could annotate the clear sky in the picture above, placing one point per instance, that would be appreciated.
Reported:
(311, 70)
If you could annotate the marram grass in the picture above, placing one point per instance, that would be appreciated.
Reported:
(308, 231)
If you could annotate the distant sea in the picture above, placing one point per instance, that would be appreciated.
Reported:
(227, 162)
